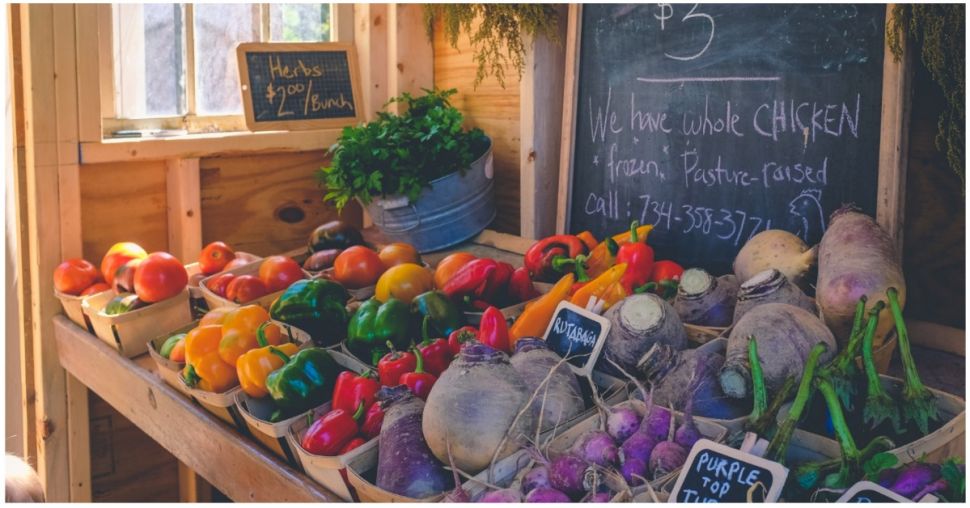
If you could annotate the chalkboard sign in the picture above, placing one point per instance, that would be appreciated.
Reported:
(869, 492)
(577, 334)
(716, 122)
(715, 473)
(292, 86)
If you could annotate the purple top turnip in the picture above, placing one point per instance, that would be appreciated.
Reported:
(405, 464)
(538, 476)
(546, 495)
(705, 300)
(596, 447)
(502, 496)
(638, 322)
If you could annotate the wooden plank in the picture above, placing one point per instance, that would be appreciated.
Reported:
(88, 67)
(540, 118)
(342, 22)
(570, 92)
(266, 204)
(43, 219)
(206, 145)
(370, 37)
(106, 81)
(65, 82)
(79, 440)
(184, 208)
(243, 471)
(192, 487)
(894, 141)
(937, 336)
(410, 56)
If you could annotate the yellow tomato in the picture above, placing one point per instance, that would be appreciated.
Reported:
(404, 282)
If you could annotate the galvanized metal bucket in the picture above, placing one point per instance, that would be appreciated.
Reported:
(455, 208)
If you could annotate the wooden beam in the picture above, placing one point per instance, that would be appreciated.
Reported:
(370, 37)
(570, 92)
(184, 208)
(88, 73)
(192, 487)
(540, 118)
(342, 22)
(410, 55)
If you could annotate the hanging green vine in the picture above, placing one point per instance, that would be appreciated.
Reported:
(938, 30)
(498, 40)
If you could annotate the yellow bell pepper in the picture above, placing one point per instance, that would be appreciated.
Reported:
(240, 328)
(254, 365)
(598, 286)
(536, 316)
(204, 369)
(600, 259)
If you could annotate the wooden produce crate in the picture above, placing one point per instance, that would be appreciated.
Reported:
(213, 300)
(170, 371)
(362, 471)
(130, 332)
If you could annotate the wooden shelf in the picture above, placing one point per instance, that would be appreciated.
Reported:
(230, 461)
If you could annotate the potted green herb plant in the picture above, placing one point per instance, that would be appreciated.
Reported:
(423, 178)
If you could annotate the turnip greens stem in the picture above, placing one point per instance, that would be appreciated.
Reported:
(921, 408)
(879, 406)
(778, 447)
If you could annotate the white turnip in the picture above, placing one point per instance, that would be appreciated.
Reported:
(785, 336)
(778, 249)
(770, 286)
(560, 398)
(856, 258)
(705, 300)
(637, 323)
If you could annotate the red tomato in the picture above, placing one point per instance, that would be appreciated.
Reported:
(75, 275)
(219, 283)
(117, 256)
(278, 272)
(245, 288)
(95, 288)
(215, 257)
(237, 262)
(357, 267)
(159, 276)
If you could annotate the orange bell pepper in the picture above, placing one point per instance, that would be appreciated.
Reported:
(600, 258)
(240, 328)
(215, 316)
(204, 369)
(613, 294)
(253, 366)
(588, 239)
(536, 316)
(598, 286)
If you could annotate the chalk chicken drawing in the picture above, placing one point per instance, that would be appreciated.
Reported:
(806, 212)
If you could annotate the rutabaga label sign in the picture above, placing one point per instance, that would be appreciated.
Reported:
(578, 335)
(715, 473)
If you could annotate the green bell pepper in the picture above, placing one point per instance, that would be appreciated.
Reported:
(443, 315)
(374, 324)
(305, 381)
(316, 306)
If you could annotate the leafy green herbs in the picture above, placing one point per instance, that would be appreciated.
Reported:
(401, 154)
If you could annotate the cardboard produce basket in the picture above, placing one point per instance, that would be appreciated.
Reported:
(213, 300)
(130, 332)
(74, 310)
(170, 371)
(362, 473)
(256, 413)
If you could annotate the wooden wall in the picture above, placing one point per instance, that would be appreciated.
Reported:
(493, 109)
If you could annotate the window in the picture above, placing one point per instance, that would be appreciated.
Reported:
(175, 64)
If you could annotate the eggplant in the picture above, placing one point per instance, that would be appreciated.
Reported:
(334, 235)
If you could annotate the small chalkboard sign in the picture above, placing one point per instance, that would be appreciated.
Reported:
(297, 86)
(869, 492)
(715, 473)
(577, 334)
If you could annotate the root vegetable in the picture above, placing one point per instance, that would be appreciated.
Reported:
(621, 421)
(638, 322)
(785, 335)
(596, 447)
(687, 433)
(603, 496)
(913, 478)
(634, 471)
(405, 465)
(666, 458)
(473, 405)
(856, 257)
(560, 398)
(502, 496)
(537, 477)
(637, 447)
(778, 249)
(770, 286)
(546, 495)
(568, 474)
(705, 300)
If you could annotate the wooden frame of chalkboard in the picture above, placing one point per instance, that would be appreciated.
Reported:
(297, 123)
(893, 132)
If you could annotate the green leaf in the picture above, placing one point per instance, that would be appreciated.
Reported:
(879, 462)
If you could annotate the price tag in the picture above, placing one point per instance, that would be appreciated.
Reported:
(577, 334)
(869, 492)
(715, 473)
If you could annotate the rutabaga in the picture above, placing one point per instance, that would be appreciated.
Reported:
(705, 300)
(637, 323)
(405, 465)
(770, 286)
(778, 249)
(559, 398)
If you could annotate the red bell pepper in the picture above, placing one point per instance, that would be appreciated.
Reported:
(521, 288)
(539, 257)
(329, 434)
(353, 443)
(419, 381)
(460, 336)
(493, 330)
(393, 365)
(373, 420)
(638, 257)
(498, 281)
(435, 352)
(664, 279)
(352, 389)
(470, 280)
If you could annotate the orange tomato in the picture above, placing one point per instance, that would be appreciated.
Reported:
(245, 288)
(116, 257)
(95, 288)
(357, 267)
(278, 272)
(404, 282)
(159, 276)
(449, 265)
(396, 253)
(74, 276)
(214, 257)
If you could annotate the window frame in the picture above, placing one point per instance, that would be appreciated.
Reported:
(341, 30)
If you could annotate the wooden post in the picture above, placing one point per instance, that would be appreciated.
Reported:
(540, 121)
(410, 56)
(370, 37)
(184, 209)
